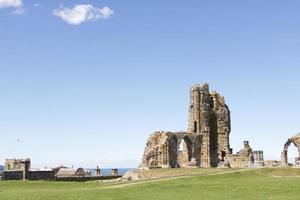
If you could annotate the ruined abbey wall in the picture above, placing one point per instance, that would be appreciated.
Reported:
(206, 141)
(209, 117)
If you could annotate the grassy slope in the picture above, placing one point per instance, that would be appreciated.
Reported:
(259, 184)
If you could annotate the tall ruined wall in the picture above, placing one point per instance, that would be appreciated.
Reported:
(156, 153)
(209, 116)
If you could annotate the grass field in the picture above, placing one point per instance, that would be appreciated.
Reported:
(254, 184)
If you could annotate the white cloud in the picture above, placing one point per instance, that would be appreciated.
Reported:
(82, 13)
(10, 3)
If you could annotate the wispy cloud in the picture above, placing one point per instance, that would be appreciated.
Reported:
(10, 3)
(18, 11)
(82, 13)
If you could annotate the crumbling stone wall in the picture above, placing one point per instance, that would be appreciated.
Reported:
(243, 158)
(172, 149)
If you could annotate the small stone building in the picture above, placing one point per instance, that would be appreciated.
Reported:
(19, 169)
(16, 169)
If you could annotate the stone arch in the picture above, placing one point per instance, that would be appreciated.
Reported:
(173, 151)
(185, 151)
(284, 154)
(197, 149)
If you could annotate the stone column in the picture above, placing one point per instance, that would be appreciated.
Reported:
(284, 160)
(205, 149)
(258, 158)
(97, 171)
(114, 172)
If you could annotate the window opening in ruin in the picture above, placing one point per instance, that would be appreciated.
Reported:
(195, 126)
(292, 154)
(223, 154)
(8, 167)
(212, 102)
(181, 145)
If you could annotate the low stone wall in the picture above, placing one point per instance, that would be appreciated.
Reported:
(13, 175)
(238, 161)
(86, 178)
(41, 175)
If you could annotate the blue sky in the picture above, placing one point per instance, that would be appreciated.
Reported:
(92, 92)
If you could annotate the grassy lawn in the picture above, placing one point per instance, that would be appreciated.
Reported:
(255, 184)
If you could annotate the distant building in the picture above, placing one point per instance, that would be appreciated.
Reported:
(16, 169)
(19, 169)
(67, 172)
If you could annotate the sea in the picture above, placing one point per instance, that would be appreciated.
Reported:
(107, 171)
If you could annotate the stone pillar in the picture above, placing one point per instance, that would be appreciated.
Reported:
(284, 159)
(97, 171)
(205, 150)
(258, 158)
(26, 167)
(114, 172)
(297, 159)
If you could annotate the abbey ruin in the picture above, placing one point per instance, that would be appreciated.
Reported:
(205, 144)
(206, 141)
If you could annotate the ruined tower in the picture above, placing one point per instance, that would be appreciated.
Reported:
(209, 117)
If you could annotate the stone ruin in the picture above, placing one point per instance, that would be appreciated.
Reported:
(206, 141)
(295, 140)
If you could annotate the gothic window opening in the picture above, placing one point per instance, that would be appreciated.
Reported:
(195, 126)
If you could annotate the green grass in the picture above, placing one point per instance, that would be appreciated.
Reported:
(255, 184)
(165, 173)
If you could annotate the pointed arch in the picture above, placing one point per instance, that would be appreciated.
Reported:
(185, 151)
